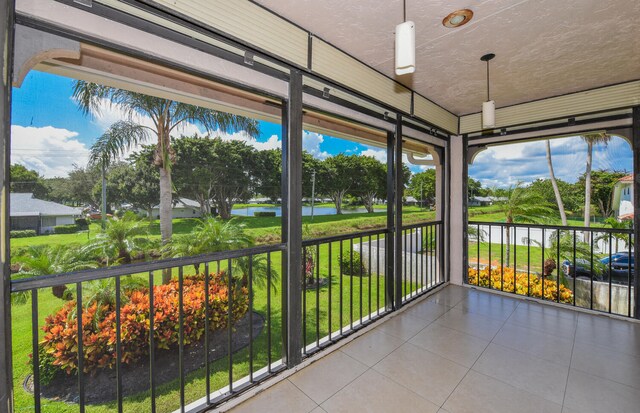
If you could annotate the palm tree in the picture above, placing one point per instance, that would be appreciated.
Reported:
(211, 235)
(591, 139)
(554, 183)
(48, 260)
(259, 269)
(120, 137)
(521, 205)
(166, 115)
(121, 237)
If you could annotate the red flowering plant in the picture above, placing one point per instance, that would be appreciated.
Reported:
(60, 343)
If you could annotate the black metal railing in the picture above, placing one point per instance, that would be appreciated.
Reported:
(422, 258)
(204, 360)
(588, 267)
(345, 286)
(186, 334)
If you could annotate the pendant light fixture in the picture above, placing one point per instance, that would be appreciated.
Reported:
(405, 45)
(488, 107)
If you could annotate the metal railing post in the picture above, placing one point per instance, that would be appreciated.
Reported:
(7, 8)
(292, 223)
(389, 238)
(636, 207)
(398, 187)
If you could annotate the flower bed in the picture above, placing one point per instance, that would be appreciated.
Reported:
(58, 349)
(504, 281)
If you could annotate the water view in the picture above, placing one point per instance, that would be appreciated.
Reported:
(306, 210)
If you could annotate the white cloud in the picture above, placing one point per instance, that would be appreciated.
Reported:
(273, 142)
(506, 165)
(311, 142)
(379, 154)
(50, 151)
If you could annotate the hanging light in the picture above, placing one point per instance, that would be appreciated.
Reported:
(488, 107)
(405, 45)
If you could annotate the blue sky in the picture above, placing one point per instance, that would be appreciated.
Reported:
(50, 134)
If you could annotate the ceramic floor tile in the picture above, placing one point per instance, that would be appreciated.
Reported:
(550, 324)
(427, 310)
(606, 363)
(587, 393)
(536, 343)
(451, 344)
(403, 326)
(478, 393)
(326, 376)
(532, 374)
(282, 397)
(549, 310)
(470, 323)
(374, 393)
(372, 347)
(429, 375)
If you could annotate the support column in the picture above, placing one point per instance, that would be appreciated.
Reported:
(389, 239)
(292, 222)
(457, 211)
(398, 189)
(636, 207)
(7, 9)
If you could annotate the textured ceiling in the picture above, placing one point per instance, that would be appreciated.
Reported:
(543, 47)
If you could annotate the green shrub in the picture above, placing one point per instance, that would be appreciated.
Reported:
(82, 223)
(352, 269)
(23, 234)
(264, 214)
(66, 229)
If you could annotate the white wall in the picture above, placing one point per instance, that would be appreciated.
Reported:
(183, 212)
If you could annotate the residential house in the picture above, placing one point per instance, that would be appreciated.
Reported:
(182, 208)
(623, 198)
(28, 212)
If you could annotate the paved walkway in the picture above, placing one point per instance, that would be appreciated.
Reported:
(464, 350)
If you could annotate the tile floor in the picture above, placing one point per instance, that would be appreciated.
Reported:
(464, 350)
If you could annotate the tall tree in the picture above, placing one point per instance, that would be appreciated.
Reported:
(166, 116)
(522, 205)
(119, 138)
(591, 139)
(556, 191)
(27, 180)
(337, 175)
(371, 182)
(602, 185)
(423, 185)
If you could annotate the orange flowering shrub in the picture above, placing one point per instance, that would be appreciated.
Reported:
(505, 283)
(60, 343)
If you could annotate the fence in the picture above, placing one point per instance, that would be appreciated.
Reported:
(584, 267)
(186, 334)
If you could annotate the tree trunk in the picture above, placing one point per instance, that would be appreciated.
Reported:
(587, 190)
(166, 219)
(367, 201)
(554, 183)
(103, 212)
(508, 240)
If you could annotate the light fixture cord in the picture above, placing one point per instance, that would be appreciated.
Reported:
(404, 9)
(488, 94)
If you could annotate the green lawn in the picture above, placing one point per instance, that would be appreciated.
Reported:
(358, 295)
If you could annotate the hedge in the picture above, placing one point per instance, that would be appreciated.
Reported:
(60, 341)
(350, 267)
(82, 223)
(23, 233)
(264, 214)
(66, 229)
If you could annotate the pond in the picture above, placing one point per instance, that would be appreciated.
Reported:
(306, 210)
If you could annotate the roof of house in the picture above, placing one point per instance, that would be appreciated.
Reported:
(411, 199)
(183, 203)
(627, 178)
(24, 204)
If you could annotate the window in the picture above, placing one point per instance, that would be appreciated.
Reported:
(48, 221)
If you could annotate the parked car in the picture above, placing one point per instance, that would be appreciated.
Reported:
(619, 260)
(619, 270)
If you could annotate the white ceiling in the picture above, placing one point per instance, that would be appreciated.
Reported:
(543, 47)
